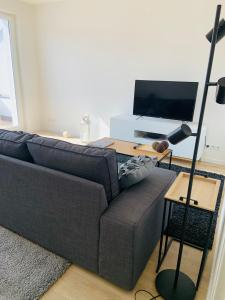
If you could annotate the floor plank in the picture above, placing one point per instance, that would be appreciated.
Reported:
(79, 284)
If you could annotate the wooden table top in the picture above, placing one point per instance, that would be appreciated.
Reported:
(205, 190)
(122, 147)
(127, 148)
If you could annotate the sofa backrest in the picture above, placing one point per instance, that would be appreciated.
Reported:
(95, 164)
(13, 144)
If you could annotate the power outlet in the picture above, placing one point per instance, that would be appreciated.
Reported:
(213, 147)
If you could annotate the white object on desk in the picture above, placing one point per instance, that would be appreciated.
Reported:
(66, 134)
(85, 128)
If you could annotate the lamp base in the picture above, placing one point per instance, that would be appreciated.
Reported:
(185, 289)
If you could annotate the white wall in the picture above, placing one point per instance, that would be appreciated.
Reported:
(24, 16)
(216, 289)
(91, 52)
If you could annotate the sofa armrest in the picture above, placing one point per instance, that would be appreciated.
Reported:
(131, 227)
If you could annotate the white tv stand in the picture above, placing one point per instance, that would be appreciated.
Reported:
(146, 130)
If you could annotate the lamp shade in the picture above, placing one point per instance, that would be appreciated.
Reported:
(220, 92)
(221, 32)
(179, 134)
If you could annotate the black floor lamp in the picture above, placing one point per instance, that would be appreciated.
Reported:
(173, 284)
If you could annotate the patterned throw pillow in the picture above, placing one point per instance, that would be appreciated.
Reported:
(135, 170)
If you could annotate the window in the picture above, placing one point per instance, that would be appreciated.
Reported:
(8, 101)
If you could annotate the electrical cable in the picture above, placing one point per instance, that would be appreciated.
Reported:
(147, 292)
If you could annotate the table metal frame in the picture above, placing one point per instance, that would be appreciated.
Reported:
(164, 231)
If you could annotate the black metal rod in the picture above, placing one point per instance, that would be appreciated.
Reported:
(212, 83)
(171, 157)
(164, 254)
(204, 99)
(168, 224)
(162, 234)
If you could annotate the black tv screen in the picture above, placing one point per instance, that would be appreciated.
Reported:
(165, 99)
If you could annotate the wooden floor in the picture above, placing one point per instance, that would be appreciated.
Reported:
(79, 284)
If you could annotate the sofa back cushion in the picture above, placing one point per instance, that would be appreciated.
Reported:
(95, 164)
(13, 144)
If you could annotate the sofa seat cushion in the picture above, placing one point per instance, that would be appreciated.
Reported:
(13, 144)
(95, 164)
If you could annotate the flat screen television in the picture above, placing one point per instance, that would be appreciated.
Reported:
(165, 99)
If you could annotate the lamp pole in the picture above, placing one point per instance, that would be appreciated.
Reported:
(198, 136)
(173, 284)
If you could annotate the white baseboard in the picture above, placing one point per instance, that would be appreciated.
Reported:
(213, 160)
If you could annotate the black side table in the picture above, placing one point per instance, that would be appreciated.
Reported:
(204, 195)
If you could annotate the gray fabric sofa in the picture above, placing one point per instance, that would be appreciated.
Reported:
(80, 214)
